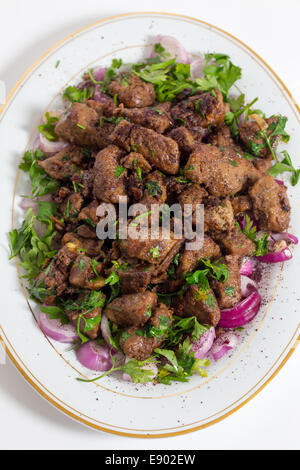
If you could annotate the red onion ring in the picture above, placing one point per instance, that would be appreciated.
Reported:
(276, 256)
(247, 286)
(99, 74)
(94, 356)
(223, 344)
(27, 203)
(51, 147)
(100, 96)
(241, 313)
(203, 344)
(288, 237)
(247, 267)
(105, 330)
(172, 47)
(197, 68)
(279, 182)
(55, 330)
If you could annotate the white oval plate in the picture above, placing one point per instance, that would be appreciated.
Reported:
(113, 405)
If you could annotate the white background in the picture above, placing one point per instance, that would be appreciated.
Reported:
(271, 28)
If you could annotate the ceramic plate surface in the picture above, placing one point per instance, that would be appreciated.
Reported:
(113, 405)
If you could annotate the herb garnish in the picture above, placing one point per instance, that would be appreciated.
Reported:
(153, 188)
(41, 182)
(250, 231)
(48, 129)
(285, 165)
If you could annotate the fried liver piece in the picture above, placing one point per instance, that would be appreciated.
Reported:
(90, 246)
(55, 277)
(271, 206)
(149, 250)
(253, 140)
(218, 215)
(132, 91)
(191, 258)
(155, 118)
(155, 189)
(160, 151)
(236, 243)
(63, 164)
(241, 204)
(83, 276)
(229, 293)
(82, 127)
(201, 110)
(202, 305)
(222, 171)
(108, 184)
(184, 139)
(132, 309)
(141, 347)
(193, 195)
(134, 278)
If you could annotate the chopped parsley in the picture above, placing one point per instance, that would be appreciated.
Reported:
(135, 369)
(154, 251)
(153, 188)
(229, 290)
(283, 166)
(119, 171)
(249, 230)
(48, 129)
(32, 249)
(238, 107)
(74, 94)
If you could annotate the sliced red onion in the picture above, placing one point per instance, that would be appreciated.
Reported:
(241, 313)
(99, 74)
(27, 203)
(36, 144)
(197, 68)
(247, 286)
(172, 47)
(100, 96)
(203, 343)
(276, 256)
(288, 237)
(51, 147)
(279, 182)
(223, 344)
(247, 267)
(94, 356)
(105, 330)
(55, 330)
(150, 366)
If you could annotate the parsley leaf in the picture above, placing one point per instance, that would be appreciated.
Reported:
(250, 231)
(48, 129)
(154, 251)
(41, 182)
(119, 171)
(153, 188)
(55, 313)
(137, 370)
(74, 94)
(285, 165)
(237, 108)
(33, 250)
(110, 74)
(219, 72)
